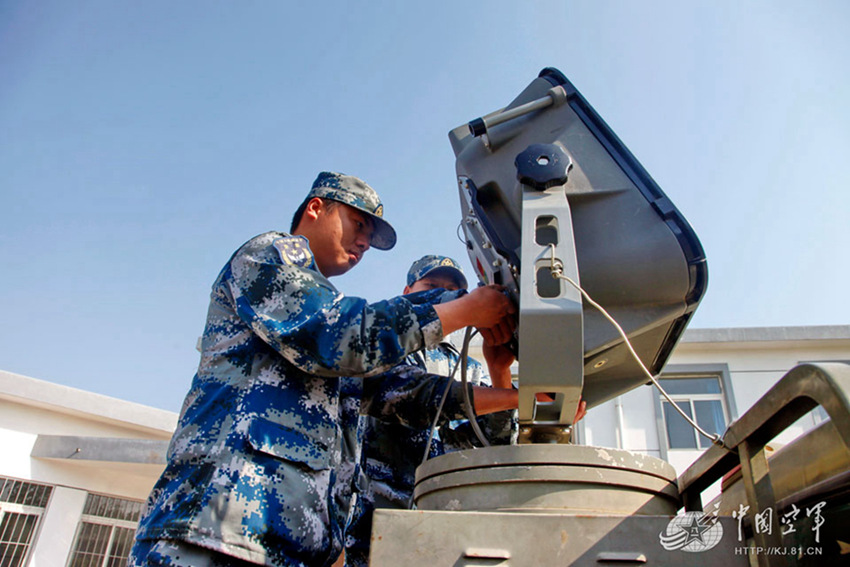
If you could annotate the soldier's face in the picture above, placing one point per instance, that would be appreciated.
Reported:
(432, 282)
(344, 234)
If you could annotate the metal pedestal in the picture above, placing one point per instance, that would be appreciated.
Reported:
(540, 505)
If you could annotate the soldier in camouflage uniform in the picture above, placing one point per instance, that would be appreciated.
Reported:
(255, 472)
(394, 445)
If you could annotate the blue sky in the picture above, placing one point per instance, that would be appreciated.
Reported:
(142, 142)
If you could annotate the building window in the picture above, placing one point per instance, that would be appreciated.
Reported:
(701, 399)
(106, 530)
(21, 506)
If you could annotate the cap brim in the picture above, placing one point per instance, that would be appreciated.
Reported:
(383, 238)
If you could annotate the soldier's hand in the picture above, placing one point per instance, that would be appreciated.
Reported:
(499, 359)
(488, 306)
(581, 411)
(500, 333)
(483, 307)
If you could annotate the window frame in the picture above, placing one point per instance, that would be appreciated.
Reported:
(97, 520)
(7, 507)
(673, 371)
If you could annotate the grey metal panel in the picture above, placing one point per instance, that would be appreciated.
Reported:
(636, 255)
(812, 459)
(429, 539)
(549, 325)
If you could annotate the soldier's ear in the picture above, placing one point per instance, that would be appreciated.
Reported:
(406, 290)
(314, 208)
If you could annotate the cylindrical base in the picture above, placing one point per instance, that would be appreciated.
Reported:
(559, 479)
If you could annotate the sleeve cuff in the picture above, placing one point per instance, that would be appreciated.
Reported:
(454, 407)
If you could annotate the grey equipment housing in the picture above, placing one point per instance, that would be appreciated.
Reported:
(546, 178)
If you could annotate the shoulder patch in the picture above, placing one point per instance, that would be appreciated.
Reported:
(294, 251)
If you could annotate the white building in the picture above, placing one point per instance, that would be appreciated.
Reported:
(715, 375)
(75, 470)
(77, 466)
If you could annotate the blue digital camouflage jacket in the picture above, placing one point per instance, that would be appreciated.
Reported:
(394, 444)
(253, 466)
(401, 409)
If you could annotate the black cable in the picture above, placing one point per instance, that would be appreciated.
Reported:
(470, 409)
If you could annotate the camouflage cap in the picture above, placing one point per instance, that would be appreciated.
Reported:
(433, 265)
(356, 193)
